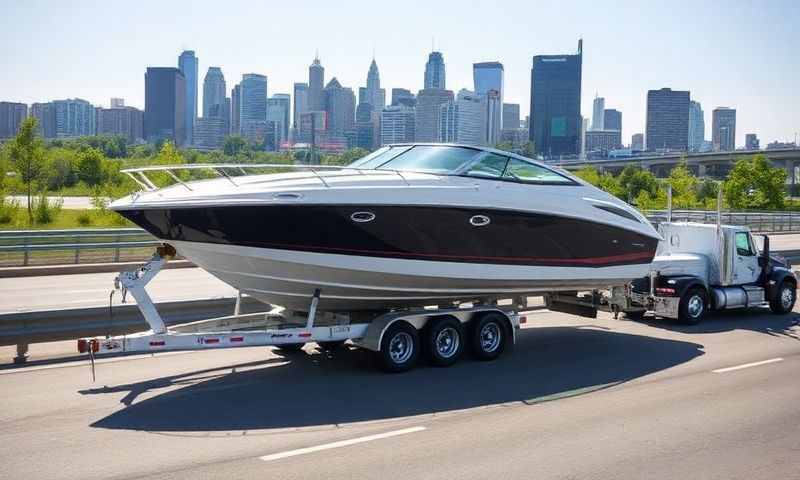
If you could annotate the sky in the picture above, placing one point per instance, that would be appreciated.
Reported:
(740, 54)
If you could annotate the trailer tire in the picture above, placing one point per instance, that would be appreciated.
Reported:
(444, 340)
(693, 306)
(400, 347)
(783, 300)
(489, 335)
(290, 347)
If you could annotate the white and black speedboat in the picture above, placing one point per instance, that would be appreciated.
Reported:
(408, 225)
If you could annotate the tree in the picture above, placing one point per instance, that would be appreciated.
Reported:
(684, 186)
(634, 180)
(234, 145)
(90, 166)
(27, 156)
(754, 183)
(589, 174)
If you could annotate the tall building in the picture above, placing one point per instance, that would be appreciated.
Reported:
(278, 111)
(253, 106)
(464, 120)
(397, 124)
(214, 93)
(601, 141)
(511, 116)
(723, 129)
(751, 142)
(366, 126)
(316, 85)
(555, 122)
(164, 105)
(74, 118)
(428, 112)
(373, 94)
(488, 77)
(209, 133)
(598, 112)
(667, 120)
(493, 117)
(11, 116)
(117, 102)
(402, 96)
(697, 126)
(340, 105)
(45, 114)
(300, 103)
(120, 120)
(236, 110)
(371, 100)
(637, 141)
(612, 119)
(188, 63)
(434, 72)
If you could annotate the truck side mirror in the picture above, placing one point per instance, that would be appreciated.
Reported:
(763, 260)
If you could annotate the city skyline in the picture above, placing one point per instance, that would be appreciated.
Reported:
(682, 57)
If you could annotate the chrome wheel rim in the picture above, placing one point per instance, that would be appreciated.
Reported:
(490, 337)
(447, 342)
(695, 306)
(401, 346)
(787, 296)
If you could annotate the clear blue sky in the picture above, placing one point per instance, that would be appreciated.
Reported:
(742, 54)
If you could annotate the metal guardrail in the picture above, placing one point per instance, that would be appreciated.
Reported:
(74, 240)
(757, 222)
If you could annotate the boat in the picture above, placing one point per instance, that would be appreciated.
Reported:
(408, 225)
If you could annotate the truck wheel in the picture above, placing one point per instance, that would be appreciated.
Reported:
(399, 348)
(783, 301)
(693, 306)
(444, 340)
(488, 336)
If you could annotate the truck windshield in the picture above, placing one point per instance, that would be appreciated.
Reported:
(431, 159)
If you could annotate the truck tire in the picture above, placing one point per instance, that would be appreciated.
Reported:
(488, 336)
(399, 347)
(783, 300)
(693, 306)
(444, 340)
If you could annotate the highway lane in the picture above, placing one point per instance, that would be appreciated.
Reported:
(92, 290)
(577, 398)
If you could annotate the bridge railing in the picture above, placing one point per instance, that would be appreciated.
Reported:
(759, 222)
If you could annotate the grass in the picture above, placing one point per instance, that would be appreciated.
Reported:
(65, 218)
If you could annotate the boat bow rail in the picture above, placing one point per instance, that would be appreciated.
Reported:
(224, 170)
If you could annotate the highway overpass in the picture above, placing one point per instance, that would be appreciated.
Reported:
(714, 164)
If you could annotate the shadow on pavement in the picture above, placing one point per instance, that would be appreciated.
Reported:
(312, 388)
(755, 320)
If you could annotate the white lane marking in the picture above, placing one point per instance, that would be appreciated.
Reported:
(339, 444)
(97, 361)
(747, 365)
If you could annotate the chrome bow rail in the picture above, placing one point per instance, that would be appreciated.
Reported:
(139, 174)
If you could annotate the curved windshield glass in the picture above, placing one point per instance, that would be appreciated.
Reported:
(431, 159)
(378, 157)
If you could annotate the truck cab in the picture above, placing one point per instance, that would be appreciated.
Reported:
(701, 267)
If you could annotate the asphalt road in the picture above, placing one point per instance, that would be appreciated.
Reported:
(577, 398)
(74, 203)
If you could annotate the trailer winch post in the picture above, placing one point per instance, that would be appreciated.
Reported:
(135, 281)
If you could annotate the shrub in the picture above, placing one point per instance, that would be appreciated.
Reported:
(84, 219)
(45, 210)
(8, 209)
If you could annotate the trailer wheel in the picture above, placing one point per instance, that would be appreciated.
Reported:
(693, 306)
(783, 301)
(444, 340)
(290, 347)
(488, 336)
(399, 347)
(331, 345)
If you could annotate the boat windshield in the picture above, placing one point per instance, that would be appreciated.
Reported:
(440, 159)
(378, 157)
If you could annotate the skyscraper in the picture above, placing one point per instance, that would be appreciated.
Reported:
(697, 126)
(74, 118)
(373, 93)
(371, 100)
(397, 124)
(612, 119)
(253, 106)
(402, 96)
(555, 122)
(464, 121)
(511, 116)
(637, 141)
(45, 114)
(11, 116)
(300, 103)
(667, 120)
(188, 63)
(316, 84)
(340, 105)
(428, 112)
(278, 111)
(723, 129)
(121, 120)
(598, 112)
(214, 93)
(209, 133)
(434, 71)
(164, 105)
(751, 142)
(488, 77)
(236, 110)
